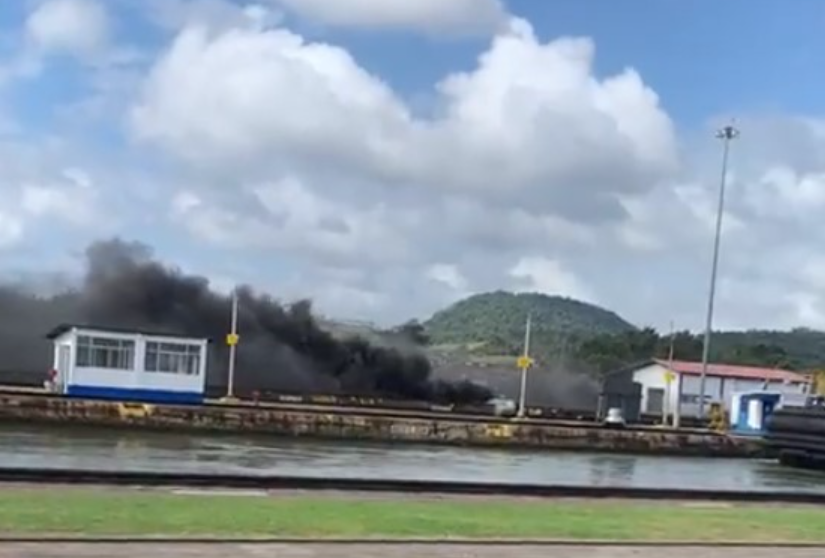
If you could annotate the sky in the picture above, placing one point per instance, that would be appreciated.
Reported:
(386, 157)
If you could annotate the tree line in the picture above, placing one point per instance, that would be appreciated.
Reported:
(799, 349)
(609, 352)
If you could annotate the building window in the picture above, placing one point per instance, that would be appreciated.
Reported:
(105, 352)
(691, 399)
(173, 358)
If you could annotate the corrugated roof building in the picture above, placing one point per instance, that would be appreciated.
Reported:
(668, 385)
(734, 371)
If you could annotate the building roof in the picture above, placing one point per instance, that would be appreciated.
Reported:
(64, 328)
(733, 371)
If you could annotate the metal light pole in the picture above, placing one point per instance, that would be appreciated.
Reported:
(524, 363)
(726, 134)
(667, 411)
(232, 341)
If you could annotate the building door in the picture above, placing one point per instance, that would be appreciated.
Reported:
(655, 400)
(64, 363)
(743, 411)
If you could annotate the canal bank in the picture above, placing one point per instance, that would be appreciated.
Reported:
(21, 407)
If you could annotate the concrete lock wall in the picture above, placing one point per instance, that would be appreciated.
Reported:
(293, 423)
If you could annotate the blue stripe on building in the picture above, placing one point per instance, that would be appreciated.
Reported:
(141, 395)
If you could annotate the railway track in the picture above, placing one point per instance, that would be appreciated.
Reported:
(389, 412)
(394, 486)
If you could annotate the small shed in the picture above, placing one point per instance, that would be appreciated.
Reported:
(127, 365)
(619, 391)
(750, 410)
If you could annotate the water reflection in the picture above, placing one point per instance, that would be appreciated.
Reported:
(612, 470)
(128, 450)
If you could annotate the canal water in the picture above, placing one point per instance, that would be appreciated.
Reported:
(101, 449)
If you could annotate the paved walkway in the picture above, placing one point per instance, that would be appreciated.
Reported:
(126, 550)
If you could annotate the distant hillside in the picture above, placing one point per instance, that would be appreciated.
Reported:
(798, 349)
(483, 333)
(584, 337)
(493, 323)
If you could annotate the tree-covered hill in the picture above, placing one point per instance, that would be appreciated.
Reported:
(585, 337)
(493, 323)
(799, 348)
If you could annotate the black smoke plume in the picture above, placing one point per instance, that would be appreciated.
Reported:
(283, 348)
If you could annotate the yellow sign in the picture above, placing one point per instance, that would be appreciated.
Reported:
(669, 376)
(524, 361)
(498, 431)
(131, 410)
(232, 339)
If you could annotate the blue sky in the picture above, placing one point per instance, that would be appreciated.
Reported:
(704, 58)
(387, 161)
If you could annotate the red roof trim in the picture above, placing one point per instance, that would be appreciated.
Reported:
(734, 371)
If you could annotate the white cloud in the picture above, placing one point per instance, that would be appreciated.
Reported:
(449, 275)
(11, 230)
(532, 118)
(39, 191)
(544, 275)
(345, 300)
(462, 16)
(678, 217)
(72, 198)
(214, 15)
(525, 124)
(249, 94)
(293, 217)
(783, 188)
(806, 308)
(332, 229)
(215, 224)
(529, 170)
(527, 151)
(78, 27)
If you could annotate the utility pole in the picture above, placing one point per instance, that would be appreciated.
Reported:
(668, 412)
(726, 134)
(524, 363)
(232, 341)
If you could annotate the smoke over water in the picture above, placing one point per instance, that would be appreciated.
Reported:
(554, 385)
(282, 347)
(549, 384)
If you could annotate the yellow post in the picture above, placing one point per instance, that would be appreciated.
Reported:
(669, 377)
(232, 339)
(818, 383)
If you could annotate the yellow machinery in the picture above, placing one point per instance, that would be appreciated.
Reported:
(718, 417)
(818, 383)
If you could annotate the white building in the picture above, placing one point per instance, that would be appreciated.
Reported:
(128, 365)
(675, 387)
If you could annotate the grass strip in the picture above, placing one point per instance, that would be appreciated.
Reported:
(134, 513)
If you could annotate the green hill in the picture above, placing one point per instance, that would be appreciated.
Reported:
(493, 323)
(585, 337)
(487, 330)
